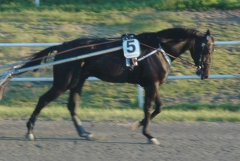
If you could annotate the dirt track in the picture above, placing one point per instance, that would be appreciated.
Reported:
(179, 142)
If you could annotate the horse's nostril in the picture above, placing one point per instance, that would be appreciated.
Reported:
(205, 77)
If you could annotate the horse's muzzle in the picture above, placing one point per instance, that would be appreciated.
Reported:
(203, 74)
(204, 77)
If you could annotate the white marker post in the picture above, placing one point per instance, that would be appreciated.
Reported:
(37, 3)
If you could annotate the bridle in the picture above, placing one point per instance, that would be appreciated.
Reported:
(201, 62)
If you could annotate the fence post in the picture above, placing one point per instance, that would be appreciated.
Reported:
(37, 3)
(140, 96)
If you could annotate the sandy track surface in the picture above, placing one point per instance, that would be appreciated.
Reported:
(115, 141)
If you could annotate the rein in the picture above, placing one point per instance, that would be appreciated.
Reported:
(114, 40)
(61, 52)
(177, 58)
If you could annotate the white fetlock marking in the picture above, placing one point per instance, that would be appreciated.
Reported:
(90, 137)
(153, 141)
(30, 137)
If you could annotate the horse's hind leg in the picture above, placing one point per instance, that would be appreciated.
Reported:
(49, 96)
(72, 107)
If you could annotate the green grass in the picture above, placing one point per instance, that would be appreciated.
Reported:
(57, 25)
(112, 5)
(122, 115)
(208, 107)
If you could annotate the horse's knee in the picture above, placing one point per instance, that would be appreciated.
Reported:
(72, 110)
(72, 106)
(73, 102)
(159, 109)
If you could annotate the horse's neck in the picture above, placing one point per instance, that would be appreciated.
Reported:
(185, 45)
(179, 47)
(149, 39)
(173, 46)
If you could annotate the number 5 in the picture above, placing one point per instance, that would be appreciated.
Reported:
(131, 46)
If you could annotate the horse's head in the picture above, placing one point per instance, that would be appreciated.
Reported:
(202, 54)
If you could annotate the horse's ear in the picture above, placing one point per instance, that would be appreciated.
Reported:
(208, 34)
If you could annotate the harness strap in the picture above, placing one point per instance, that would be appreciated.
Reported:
(153, 52)
(177, 58)
(5, 75)
(167, 58)
(89, 45)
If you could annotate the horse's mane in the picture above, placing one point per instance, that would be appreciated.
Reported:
(169, 36)
(165, 36)
(182, 34)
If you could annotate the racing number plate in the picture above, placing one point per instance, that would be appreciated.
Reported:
(131, 48)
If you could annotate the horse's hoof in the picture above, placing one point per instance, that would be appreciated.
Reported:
(90, 137)
(30, 137)
(153, 141)
(135, 125)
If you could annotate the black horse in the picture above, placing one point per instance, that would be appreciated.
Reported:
(150, 72)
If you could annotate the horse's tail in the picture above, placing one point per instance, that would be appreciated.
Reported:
(37, 58)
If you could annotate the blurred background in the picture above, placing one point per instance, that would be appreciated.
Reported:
(57, 21)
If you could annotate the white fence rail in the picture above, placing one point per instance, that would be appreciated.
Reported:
(140, 90)
(52, 44)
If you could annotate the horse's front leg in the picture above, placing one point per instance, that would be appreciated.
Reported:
(158, 109)
(150, 93)
(72, 106)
